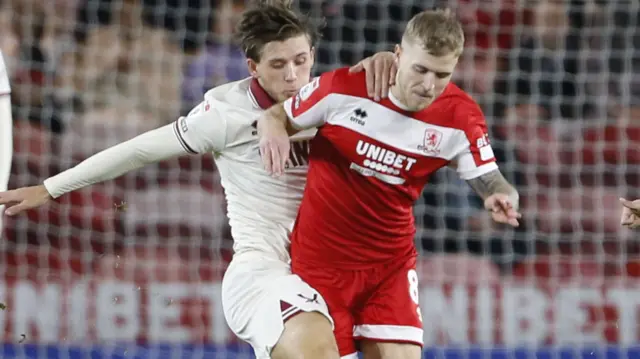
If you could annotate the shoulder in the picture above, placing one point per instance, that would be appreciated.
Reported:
(229, 92)
(461, 110)
(218, 100)
(345, 83)
(232, 95)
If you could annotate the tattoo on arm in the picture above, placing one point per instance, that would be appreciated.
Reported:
(491, 183)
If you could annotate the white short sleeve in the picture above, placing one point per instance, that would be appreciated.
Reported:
(204, 129)
(310, 106)
(477, 158)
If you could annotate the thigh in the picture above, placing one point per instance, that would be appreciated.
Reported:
(258, 303)
(306, 335)
(338, 289)
(391, 314)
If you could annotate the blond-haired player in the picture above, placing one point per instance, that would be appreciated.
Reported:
(354, 237)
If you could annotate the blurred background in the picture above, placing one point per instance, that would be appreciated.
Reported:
(132, 267)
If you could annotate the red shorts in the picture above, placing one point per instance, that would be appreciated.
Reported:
(377, 304)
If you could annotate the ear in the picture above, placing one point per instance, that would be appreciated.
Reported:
(252, 66)
(397, 51)
(312, 55)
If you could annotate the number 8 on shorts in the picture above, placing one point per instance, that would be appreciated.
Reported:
(390, 315)
(414, 290)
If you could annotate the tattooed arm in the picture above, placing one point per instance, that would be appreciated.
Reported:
(492, 183)
(500, 197)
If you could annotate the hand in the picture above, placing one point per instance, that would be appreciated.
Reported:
(630, 213)
(22, 199)
(274, 144)
(502, 210)
(380, 70)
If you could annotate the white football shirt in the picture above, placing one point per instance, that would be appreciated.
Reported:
(261, 208)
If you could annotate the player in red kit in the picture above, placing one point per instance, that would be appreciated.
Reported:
(354, 236)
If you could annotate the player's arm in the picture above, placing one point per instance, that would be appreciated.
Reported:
(309, 108)
(492, 183)
(476, 164)
(6, 130)
(200, 132)
(278, 115)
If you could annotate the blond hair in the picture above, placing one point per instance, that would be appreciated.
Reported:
(438, 31)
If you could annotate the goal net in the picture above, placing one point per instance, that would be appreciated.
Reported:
(132, 268)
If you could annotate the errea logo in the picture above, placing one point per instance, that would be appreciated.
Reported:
(359, 116)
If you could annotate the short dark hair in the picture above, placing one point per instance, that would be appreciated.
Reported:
(272, 20)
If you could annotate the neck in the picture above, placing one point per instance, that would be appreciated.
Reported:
(397, 97)
(264, 88)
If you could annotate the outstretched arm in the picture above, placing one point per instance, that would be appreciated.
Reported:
(193, 134)
(149, 147)
(113, 162)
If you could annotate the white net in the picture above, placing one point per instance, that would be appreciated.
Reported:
(132, 268)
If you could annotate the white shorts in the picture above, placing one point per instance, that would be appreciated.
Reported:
(259, 294)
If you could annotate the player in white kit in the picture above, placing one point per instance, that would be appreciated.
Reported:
(6, 131)
(264, 304)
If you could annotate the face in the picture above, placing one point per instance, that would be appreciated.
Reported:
(422, 77)
(284, 67)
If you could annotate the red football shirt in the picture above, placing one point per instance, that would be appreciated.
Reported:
(369, 163)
